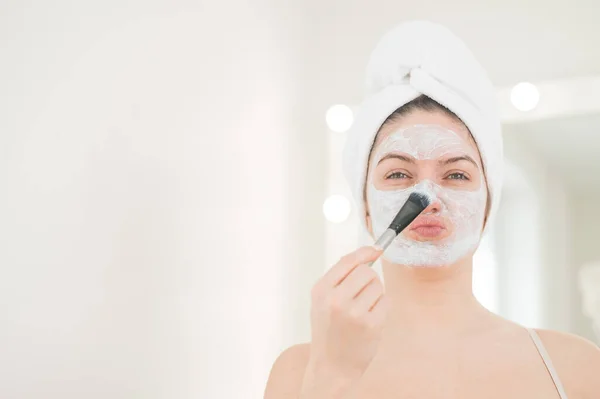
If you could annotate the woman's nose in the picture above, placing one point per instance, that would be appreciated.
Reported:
(432, 191)
(434, 207)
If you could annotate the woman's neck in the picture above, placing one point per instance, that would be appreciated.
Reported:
(427, 299)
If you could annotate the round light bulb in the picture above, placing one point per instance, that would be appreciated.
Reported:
(336, 208)
(339, 118)
(525, 96)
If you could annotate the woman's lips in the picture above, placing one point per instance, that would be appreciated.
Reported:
(428, 226)
(429, 231)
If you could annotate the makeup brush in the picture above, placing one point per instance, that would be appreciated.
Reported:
(416, 203)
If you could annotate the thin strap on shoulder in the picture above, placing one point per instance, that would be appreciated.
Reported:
(548, 362)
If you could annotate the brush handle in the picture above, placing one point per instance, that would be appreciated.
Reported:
(385, 240)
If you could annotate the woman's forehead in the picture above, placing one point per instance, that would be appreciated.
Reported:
(421, 117)
(431, 137)
(423, 142)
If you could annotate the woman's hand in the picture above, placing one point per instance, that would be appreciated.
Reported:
(347, 315)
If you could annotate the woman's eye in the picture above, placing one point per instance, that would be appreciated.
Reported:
(397, 175)
(457, 176)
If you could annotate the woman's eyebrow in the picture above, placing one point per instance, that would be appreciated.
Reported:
(401, 157)
(458, 159)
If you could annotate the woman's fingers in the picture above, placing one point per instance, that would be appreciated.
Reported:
(346, 264)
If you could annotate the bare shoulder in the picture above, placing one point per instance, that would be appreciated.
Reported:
(577, 362)
(287, 373)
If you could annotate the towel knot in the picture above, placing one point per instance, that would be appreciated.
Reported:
(402, 76)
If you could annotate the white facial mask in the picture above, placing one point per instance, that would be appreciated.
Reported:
(464, 209)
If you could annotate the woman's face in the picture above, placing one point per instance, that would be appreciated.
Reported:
(433, 153)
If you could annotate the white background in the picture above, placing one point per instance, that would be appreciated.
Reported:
(164, 164)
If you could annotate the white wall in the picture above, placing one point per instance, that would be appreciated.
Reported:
(584, 239)
(558, 147)
(535, 274)
(154, 196)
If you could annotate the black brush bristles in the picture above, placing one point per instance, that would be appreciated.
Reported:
(416, 203)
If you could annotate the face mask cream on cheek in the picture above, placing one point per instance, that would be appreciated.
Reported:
(462, 210)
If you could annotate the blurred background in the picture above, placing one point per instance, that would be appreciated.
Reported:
(170, 185)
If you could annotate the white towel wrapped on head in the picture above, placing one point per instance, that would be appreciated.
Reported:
(417, 58)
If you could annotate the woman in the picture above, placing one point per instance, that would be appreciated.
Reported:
(423, 334)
